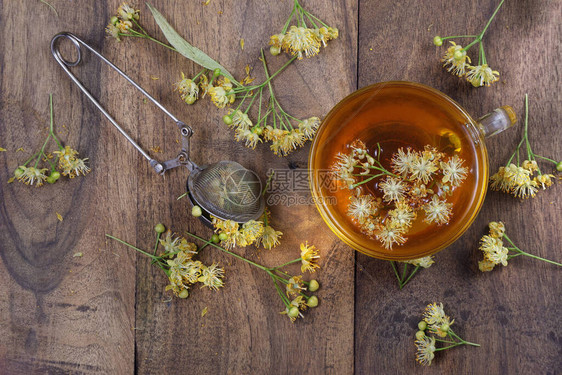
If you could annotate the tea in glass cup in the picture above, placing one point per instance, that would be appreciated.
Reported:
(392, 117)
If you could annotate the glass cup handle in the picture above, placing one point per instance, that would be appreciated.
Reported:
(497, 121)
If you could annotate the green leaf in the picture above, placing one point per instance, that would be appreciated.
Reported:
(186, 49)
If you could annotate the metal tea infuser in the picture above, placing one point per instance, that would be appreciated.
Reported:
(225, 189)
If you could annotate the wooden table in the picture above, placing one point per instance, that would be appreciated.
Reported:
(106, 312)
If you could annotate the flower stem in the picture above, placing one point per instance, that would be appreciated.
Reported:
(229, 252)
(286, 264)
(396, 273)
(132, 247)
(411, 275)
(515, 248)
(490, 20)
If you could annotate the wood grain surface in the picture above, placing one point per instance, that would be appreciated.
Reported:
(107, 312)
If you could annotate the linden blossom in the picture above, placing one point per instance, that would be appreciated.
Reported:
(404, 190)
(457, 62)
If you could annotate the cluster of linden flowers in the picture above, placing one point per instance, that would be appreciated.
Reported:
(285, 132)
(254, 232)
(123, 23)
(301, 40)
(178, 263)
(68, 162)
(404, 277)
(183, 271)
(405, 191)
(517, 178)
(457, 61)
(274, 124)
(496, 253)
(436, 323)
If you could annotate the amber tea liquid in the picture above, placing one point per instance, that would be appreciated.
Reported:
(393, 116)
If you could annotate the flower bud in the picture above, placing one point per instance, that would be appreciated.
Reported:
(257, 130)
(420, 335)
(422, 325)
(114, 20)
(190, 100)
(184, 293)
(445, 327)
(217, 72)
(274, 50)
(559, 166)
(215, 238)
(438, 41)
(18, 172)
(313, 286)
(55, 175)
(51, 180)
(459, 55)
(196, 211)
(223, 236)
(159, 228)
(312, 301)
(293, 312)
(227, 119)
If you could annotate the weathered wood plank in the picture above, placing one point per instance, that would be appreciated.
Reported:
(510, 311)
(242, 331)
(61, 314)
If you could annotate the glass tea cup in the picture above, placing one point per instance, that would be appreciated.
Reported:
(388, 116)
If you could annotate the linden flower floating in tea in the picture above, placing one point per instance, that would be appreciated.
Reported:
(435, 328)
(300, 40)
(67, 161)
(183, 271)
(272, 123)
(458, 62)
(496, 253)
(403, 277)
(419, 184)
(517, 178)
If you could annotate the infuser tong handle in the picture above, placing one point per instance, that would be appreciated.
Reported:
(186, 131)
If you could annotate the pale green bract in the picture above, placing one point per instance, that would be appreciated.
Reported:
(186, 49)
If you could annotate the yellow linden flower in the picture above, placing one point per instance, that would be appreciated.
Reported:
(309, 257)
(211, 276)
(325, 34)
(126, 12)
(252, 230)
(240, 120)
(456, 66)
(544, 180)
(251, 139)
(294, 286)
(425, 349)
(113, 31)
(493, 250)
(481, 75)
(403, 215)
(309, 127)
(423, 167)
(527, 189)
(453, 171)
(437, 321)
(530, 165)
(362, 207)
(299, 41)
(497, 229)
(31, 175)
(393, 189)
(189, 91)
(270, 237)
(424, 262)
(69, 164)
(437, 211)
(485, 265)
(499, 181)
(218, 96)
(402, 161)
(390, 234)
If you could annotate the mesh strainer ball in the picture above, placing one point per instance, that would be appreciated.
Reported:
(228, 191)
